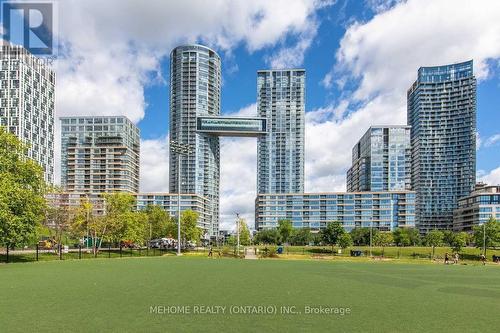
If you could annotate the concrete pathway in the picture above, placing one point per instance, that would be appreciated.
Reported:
(250, 253)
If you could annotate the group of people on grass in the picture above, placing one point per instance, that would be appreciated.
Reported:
(456, 257)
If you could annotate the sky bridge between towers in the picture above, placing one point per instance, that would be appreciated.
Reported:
(232, 126)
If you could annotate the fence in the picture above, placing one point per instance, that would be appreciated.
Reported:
(37, 253)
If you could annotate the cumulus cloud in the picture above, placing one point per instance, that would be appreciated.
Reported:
(490, 178)
(111, 50)
(385, 52)
(492, 140)
(154, 165)
(380, 59)
(238, 186)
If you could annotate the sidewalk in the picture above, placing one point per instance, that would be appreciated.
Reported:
(250, 253)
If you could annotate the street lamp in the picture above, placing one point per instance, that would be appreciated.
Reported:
(179, 149)
(238, 233)
(484, 239)
(371, 236)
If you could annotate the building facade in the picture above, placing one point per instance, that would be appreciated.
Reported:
(382, 210)
(442, 116)
(167, 201)
(195, 85)
(381, 160)
(27, 103)
(280, 153)
(99, 154)
(477, 208)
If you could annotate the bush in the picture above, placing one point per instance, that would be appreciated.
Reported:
(269, 253)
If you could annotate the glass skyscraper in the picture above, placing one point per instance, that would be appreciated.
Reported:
(99, 154)
(442, 116)
(381, 160)
(27, 103)
(280, 153)
(195, 84)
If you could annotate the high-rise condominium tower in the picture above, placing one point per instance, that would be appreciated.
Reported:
(280, 153)
(195, 84)
(27, 103)
(99, 154)
(442, 116)
(381, 160)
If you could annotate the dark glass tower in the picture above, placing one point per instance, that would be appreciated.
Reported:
(442, 116)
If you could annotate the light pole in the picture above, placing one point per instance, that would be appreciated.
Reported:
(371, 234)
(238, 233)
(484, 239)
(179, 149)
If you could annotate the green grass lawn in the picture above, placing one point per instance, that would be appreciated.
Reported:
(103, 295)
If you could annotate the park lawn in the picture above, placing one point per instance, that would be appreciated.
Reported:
(116, 295)
(409, 252)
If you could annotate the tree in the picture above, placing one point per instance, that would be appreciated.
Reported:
(331, 234)
(413, 236)
(459, 241)
(267, 236)
(383, 239)
(492, 238)
(189, 226)
(119, 222)
(302, 236)
(406, 236)
(244, 232)
(22, 189)
(285, 230)
(58, 214)
(401, 237)
(448, 236)
(345, 240)
(434, 238)
(159, 221)
(86, 223)
(361, 236)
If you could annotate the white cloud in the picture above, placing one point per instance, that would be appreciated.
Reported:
(492, 140)
(380, 58)
(154, 165)
(381, 5)
(111, 50)
(328, 143)
(490, 178)
(385, 52)
(238, 175)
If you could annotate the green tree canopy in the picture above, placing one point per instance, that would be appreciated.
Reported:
(331, 234)
(361, 236)
(189, 226)
(345, 240)
(285, 230)
(434, 238)
(244, 233)
(406, 236)
(383, 239)
(302, 236)
(22, 189)
(267, 236)
(492, 238)
(459, 241)
(160, 223)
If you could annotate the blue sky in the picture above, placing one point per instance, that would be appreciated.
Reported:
(360, 57)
